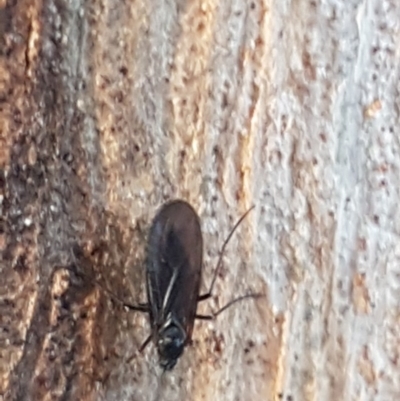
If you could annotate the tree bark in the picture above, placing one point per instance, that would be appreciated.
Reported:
(108, 109)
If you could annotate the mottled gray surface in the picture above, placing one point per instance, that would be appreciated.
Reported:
(115, 107)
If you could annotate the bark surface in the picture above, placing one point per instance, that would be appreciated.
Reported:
(110, 108)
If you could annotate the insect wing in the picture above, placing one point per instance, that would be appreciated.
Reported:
(174, 262)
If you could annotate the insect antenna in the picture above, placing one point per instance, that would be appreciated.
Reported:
(219, 264)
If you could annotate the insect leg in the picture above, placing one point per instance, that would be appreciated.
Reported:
(141, 349)
(146, 342)
(229, 304)
(141, 307)
(219, 264)
(204, 297)
(138, 308)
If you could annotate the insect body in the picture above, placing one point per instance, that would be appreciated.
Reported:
(173, 278)
(174, 262)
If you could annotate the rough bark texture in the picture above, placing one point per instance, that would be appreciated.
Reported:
(110, 108)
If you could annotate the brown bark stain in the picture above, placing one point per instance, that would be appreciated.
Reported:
(19, 231)
(42, 204)
(361, 298)
(366, 368)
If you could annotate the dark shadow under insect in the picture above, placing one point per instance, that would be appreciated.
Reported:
(173, 278)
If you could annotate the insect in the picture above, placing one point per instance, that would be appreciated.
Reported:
(173, 278)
